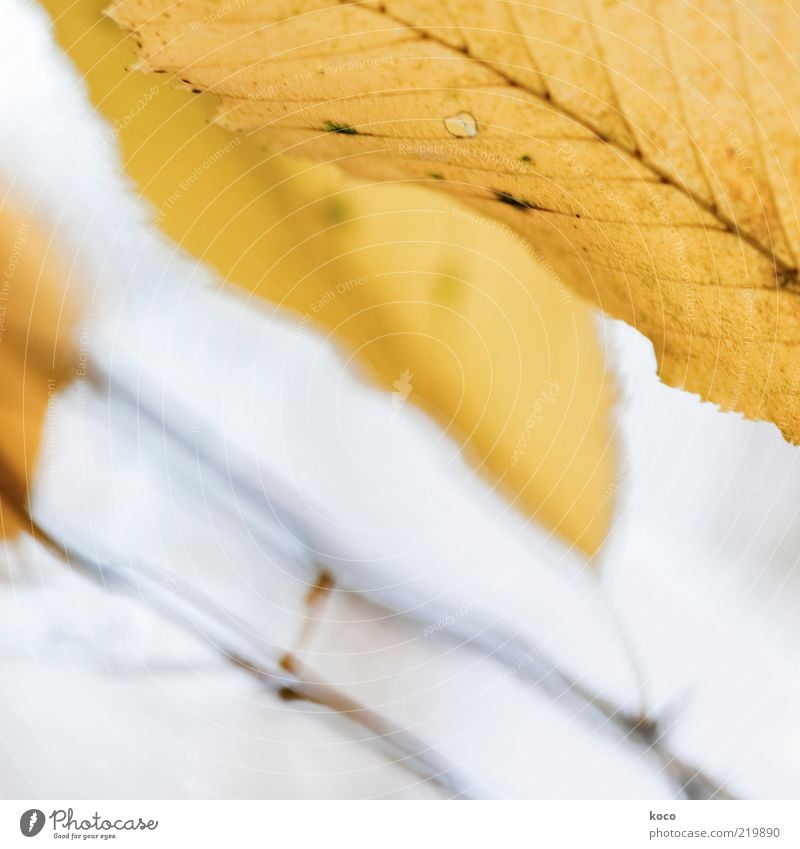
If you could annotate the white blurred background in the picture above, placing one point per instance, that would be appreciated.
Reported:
(452, 617)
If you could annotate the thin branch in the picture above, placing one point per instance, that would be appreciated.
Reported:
(639, 729)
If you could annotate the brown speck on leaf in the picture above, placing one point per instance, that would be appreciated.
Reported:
(511, 200)
(342, 129)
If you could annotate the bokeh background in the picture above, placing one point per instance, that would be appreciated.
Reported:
(317, 489)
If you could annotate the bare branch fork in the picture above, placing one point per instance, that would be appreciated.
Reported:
(640, 729)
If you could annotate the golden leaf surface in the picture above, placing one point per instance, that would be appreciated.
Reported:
(649, 151)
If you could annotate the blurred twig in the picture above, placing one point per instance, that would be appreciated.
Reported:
(639, 729)
(222, 631)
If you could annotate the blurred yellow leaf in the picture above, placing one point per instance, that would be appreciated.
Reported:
(36, 355)
(448, 305)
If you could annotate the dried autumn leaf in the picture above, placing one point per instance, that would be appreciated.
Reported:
(649, 151)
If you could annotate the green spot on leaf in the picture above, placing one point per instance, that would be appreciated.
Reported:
(449, 287)
(337, 209)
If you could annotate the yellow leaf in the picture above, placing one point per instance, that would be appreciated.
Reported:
(649, 151)
(36, 355)
(490, 342)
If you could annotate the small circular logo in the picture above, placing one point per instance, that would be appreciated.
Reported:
(31, 822)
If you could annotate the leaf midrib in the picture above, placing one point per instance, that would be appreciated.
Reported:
(785, 273)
